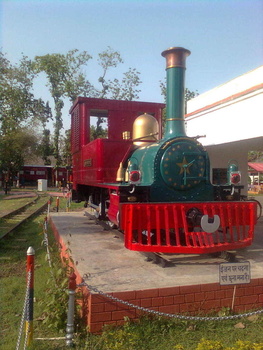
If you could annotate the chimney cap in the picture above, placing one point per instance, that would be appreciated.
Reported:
(175, 57)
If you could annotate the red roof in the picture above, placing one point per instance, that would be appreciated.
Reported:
(256, 166)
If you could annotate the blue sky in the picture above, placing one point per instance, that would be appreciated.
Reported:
(224, 36)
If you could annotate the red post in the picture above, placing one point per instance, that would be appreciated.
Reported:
(72, 284)
(57, 203)
(30, 285)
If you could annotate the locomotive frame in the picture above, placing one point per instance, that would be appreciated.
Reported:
(155, 188)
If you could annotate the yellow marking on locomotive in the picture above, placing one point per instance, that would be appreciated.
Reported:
(183, 166)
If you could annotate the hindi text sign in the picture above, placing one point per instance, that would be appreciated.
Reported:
(234, 273)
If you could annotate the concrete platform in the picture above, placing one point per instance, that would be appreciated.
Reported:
(112, 268)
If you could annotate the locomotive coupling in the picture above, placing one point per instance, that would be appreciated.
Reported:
(208, 224)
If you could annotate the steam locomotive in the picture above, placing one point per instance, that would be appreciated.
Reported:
(155, 189)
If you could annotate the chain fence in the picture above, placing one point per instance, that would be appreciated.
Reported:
(46, 244)
(24, 315)
(154, 312)
(164, 314)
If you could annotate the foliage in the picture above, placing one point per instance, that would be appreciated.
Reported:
(66, 149)
(45, 148)
(67, 80)
(255, 156)
(217, 345)
(54, 311)
(151, 333)
(20, 111)
(97, 132)
(16, 145)
(18, 107)
(126, 89)
(64, 80)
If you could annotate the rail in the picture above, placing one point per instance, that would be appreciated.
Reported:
(20, 209)
(15, 218)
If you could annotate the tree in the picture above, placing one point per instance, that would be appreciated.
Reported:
(45, 148)
(18, 107)
(66, 149)
(255, 156)
(97, 132)
(124, 89)
(19, 113)
(65, 79)
(17, 145)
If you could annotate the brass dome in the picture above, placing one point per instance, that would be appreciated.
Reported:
(145, 128)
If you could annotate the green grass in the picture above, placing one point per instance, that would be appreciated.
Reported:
(64, 206)
(13, 281)
(148, 333)
(159, 334)
(7, 205)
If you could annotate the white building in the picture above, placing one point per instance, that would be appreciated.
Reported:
(230, 117)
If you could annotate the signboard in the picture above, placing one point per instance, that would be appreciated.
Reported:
(87, 162)
(234, 273)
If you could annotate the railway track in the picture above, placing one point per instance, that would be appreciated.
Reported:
(11, 221)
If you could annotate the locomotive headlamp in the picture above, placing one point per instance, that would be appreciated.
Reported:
(235, 177)
(134, 173)
(135, 176)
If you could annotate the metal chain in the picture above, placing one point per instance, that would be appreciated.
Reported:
(45, 240)
(27, 316)
(158, 313)
(46, 243)
(25, 307)
(51, 265)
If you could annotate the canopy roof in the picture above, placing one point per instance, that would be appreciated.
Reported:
(256, 166)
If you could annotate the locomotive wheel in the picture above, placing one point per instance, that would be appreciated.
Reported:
(112, 225)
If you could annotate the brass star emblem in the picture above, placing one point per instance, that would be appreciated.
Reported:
(184, 166)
